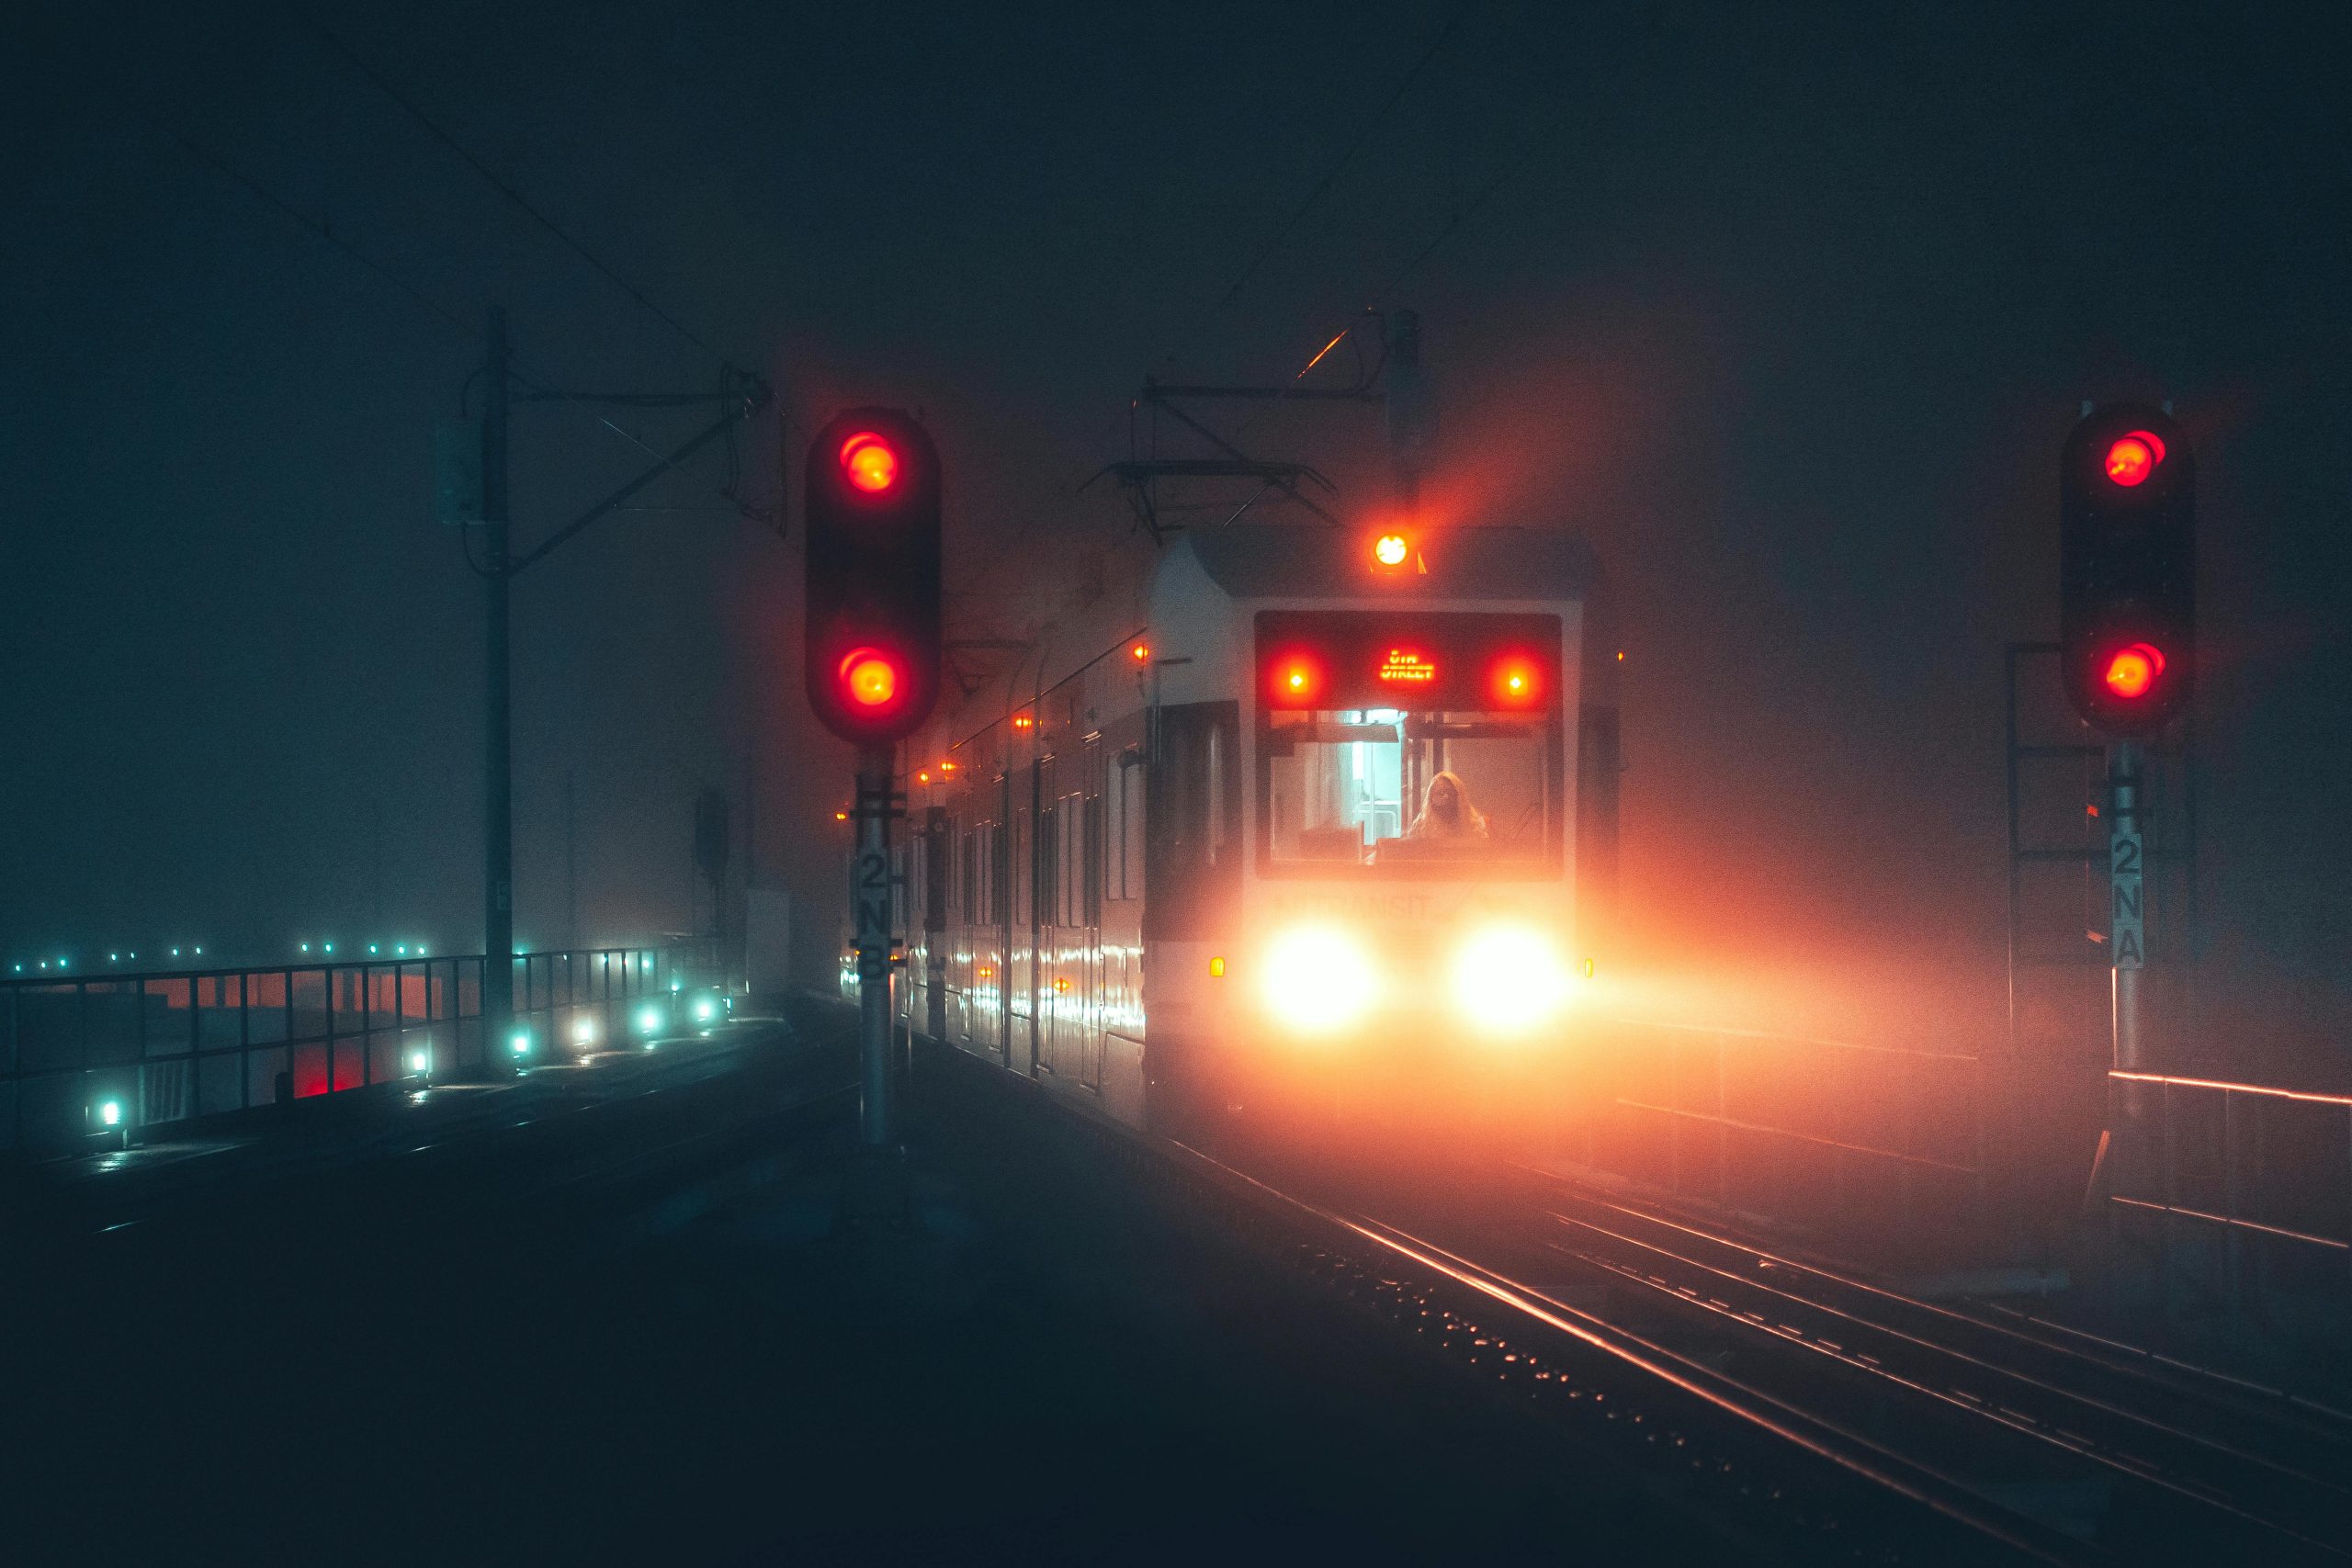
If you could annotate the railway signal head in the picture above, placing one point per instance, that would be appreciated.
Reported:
(2127, 506)
(873, 631)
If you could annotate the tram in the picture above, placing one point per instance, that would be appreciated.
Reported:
(1296, 812)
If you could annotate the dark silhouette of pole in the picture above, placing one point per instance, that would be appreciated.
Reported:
(871, 895)
(498, 751)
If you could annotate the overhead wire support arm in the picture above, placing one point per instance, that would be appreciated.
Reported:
(1361, 393)
(635, 399)
(751, 403)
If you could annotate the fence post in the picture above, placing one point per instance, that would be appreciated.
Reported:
(2172, 1206)
(2231, 1263)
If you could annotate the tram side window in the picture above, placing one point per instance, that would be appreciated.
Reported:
(998, 893)
(1192, 839)
(1121, 837)
(968, 883)
(937, 830)
(1093, 876)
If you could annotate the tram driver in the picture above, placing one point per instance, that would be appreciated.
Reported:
(1446, 812)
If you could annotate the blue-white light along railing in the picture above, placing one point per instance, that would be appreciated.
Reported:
(115, 1053)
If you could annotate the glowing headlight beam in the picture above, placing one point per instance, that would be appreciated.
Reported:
(1507, 980)
(1319, 981)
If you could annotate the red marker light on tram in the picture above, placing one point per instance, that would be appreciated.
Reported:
(2131, 671)
(1297, 680)
(1517, 681)
(870, 464)
(2131, 459)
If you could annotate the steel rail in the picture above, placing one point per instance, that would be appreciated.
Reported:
(1757, 1410)
(1842, 1446)
(2126, 1360)
(2309, 1497)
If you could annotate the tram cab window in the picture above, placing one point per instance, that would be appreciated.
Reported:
(1371, 787)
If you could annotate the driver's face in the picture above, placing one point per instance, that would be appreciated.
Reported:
(1442, 796)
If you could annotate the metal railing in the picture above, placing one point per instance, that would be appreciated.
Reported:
(2266, 1170)
(96, 1054)
(1817, 1131)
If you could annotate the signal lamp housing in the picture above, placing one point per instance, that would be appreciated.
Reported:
(2127, 607)
(871, 651)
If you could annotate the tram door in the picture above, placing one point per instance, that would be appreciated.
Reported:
(990, 922)
(1021, 948)
(1085, 911)
(1069, 918)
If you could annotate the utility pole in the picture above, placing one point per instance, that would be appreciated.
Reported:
(871, 896)
(1412, 411)
(570, 865)
(498, 757)
(751, 850)
(498, 569)
(2128, 944)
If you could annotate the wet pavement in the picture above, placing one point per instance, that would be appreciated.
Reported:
(647, 1331)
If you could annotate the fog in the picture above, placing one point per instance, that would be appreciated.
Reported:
(1792, 332)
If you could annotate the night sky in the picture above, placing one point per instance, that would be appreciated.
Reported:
(1788, 308)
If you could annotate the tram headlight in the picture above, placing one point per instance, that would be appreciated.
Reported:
(1319, 980)
(1508, 980)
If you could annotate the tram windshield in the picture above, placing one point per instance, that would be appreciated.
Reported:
(1388, 787)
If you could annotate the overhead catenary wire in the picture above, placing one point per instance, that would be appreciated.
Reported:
(1347, 154)
(522, 204)
(227, 170)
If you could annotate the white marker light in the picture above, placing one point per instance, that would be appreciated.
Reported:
(649, 1019)
(583, 1031)
(522, 1043)
(703, 1011)
(420, 1061)
(110, 1113)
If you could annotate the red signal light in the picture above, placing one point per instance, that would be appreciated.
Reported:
(2131, 671)
(2131, 459)
(1297, 680)
(1389, 550)
(1517, 681)
(869, 462)
(870, 677)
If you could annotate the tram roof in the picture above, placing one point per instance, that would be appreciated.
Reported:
(1271, 562)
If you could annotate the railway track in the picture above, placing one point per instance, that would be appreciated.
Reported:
(2036, 1443)
(2192, 1460)
(1826, 1416)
